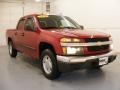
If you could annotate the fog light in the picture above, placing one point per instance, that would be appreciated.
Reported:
(111, 46)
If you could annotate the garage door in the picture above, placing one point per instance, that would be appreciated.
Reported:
(9, 15)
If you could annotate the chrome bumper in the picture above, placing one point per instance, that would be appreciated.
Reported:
(80, 59)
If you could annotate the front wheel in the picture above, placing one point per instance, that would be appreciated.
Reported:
(49, 65)
(96, 66)
(12, 51)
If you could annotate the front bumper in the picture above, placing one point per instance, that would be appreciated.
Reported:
(68, 63)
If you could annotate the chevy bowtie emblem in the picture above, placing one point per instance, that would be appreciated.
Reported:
(99, 43)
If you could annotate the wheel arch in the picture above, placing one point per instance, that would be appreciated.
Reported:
(44, 45)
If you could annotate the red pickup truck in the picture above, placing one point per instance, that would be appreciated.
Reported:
(60, 44)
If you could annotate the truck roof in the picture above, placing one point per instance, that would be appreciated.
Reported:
(37, 15)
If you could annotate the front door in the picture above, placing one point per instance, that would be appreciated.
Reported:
(31, 38)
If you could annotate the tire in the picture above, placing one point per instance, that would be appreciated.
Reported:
(95, 66)
(12, 51)
(49, 65)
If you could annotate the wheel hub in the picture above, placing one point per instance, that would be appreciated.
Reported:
(47, 64)
(10, 48)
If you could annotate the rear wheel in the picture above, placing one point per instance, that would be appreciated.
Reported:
(12, 51)
(49, 65)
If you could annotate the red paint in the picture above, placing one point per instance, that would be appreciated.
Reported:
(52, 37)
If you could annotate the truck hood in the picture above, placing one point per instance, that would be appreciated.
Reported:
(80, 33)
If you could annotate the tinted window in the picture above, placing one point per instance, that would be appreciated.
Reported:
(20, 24)
(29, 25)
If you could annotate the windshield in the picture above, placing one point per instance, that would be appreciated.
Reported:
(57, 22)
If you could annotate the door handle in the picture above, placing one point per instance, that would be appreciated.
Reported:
(22, 34)
(15, 33)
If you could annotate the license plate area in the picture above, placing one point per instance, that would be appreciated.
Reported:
(103, 60)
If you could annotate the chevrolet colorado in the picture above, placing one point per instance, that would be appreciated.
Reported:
(60, 44)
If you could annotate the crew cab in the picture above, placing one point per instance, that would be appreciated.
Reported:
(60, 44)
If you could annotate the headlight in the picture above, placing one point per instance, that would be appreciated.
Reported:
(72, 50)
(69, 40)
(110, 39)
(111, 45)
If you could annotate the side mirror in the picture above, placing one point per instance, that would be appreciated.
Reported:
(82, 27)
(35, 28)
(29, 28)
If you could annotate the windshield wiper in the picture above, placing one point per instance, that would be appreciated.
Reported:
(69, 27)
(50, 28)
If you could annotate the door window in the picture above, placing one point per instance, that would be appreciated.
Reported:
(29, 25)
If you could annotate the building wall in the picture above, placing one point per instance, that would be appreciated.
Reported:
(12, 10)
(9, 13)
